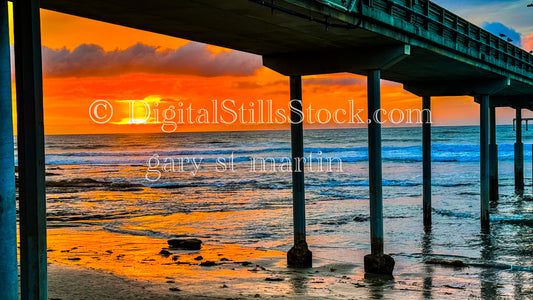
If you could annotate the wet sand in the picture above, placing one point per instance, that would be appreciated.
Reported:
(86, 264)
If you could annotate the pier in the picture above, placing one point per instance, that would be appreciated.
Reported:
(430, 50)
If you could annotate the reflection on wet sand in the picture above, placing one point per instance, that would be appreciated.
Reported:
(427, 250)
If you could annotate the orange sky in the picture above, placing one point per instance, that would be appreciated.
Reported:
(114, 71)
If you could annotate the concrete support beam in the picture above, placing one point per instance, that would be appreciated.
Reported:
(484, 159)
(514, 101)
(32, 193)
(457, 88)
(493, 149)
(374, 161)
(299, 255)
(426, 161)
(519, 155)
(376, 262)
(357, 60)
(8, 215)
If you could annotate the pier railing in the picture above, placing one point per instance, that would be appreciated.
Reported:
(524, 121)
(441, 24)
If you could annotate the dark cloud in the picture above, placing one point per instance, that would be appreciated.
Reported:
(191, 59)
(246, 85)
(345, 81)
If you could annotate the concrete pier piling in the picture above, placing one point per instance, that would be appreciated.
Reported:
(299, 255)
(426, 161)
(32, 193)
(484, 159)
(519, 155)
(376, 262)
(493, 149)
(8, 218)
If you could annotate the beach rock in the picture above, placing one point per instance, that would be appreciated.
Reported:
(74, 258)
(198, 258)
(299, 256)
(187, 244)
(361, 218)
(165, 253)
(175, 257)
(174, 289)
(379, 264)
(453, 263)
(208, 263)
(274, 279)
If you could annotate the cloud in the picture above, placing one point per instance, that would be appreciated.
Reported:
(527, 42)
(345, 81)
(191, 59)
(511, 12)
(497, 28)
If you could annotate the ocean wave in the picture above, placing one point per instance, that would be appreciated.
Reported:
(341, 195)
(449, 213)
(385, 182)
(118, 228)
(510, 219)
(407, 154)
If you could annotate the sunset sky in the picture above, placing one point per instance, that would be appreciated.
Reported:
(86, 60)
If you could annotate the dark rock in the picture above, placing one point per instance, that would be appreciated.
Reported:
(361, 218)
(244, 263)
(224, 286)
(453, 263)
(174, 289)
(257, 296)
(274, 279)
(207, 263)
(74, 258)
(187, 244)
(454, 287)
(198, 258)
(379, 264)
(171, 281)
(224, 259)
(299, 256)
(109, 251)
(260, 267)
(175, 257)
(165, 253)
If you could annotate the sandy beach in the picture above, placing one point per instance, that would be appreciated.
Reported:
(116, 266)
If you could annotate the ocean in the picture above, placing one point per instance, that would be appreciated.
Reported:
(235, 188)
